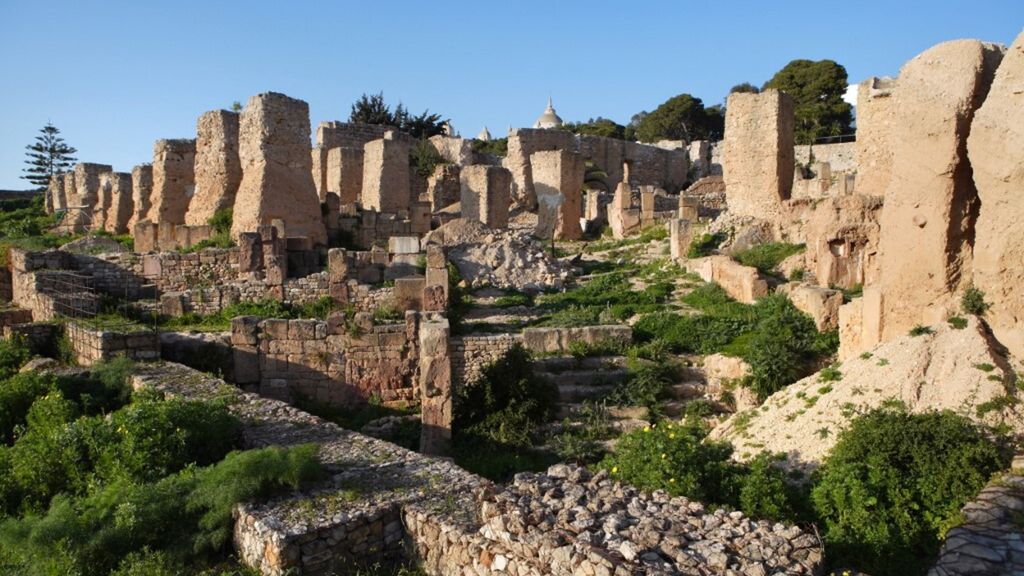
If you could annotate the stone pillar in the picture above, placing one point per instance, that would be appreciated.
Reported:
(593, 210)
(444, 186)
(218, 170)
(689, 208)
(70, 196)
(928, 220)
(486, 194)
(244, 345)
(680, 236)
(173, 180)
(647, 200)
(622, 217)
(119, 210)
(344, 174)
(875, 123)
(386, 184)
(700, 158)
(250, 253)
(87, 188)
(435, 291)
(142, 188)
(558, 183)
(277, 180)
(996, 151)
(275, 257)
(435, 379)
(759, 155)
(146, 238)
(56, 199)
(104, 200)
(337, 274)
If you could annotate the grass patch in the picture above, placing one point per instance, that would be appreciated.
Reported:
(766, 257)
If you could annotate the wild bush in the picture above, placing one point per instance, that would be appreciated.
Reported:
(767, 257)
(705, 245)
(973, 302)
(895, 482)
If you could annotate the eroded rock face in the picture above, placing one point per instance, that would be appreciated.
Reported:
(218, 170)
(928, 222)
(277, 169)
(142, 188)
(996, 152)
(119, 209)
(558, 184)
(949, 369)
(875, 120)
(758, 155)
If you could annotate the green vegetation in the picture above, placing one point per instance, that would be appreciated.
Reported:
(645, 236)
(682, 117)
(973, 302)
(371, 109)
(220, 222)
(704, 245)
(26, 225)
(678, 458)
(497, 419)
(318, 309)
(766, 257)
(597, 127)
(895, 482)
(921, 330)
(817, 89)
(495, 146)
(606, 299)
(646, 385)
(957, 322)
(424, 158)
(49, 155)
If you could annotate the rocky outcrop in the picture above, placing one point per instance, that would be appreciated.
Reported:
(928, 222)
(821, 304)
(277, 169)
(996, 152)
(955, 369)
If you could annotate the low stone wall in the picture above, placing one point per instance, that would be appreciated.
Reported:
(558, 340)
(11, 316)
(470, 354)
(989, 539)
(41, 336)
(6, 289)
(92, 345)
(841, 156)
(743, 283)
(174, 272)
(380, 496)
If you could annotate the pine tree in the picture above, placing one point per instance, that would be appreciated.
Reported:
(49, 155)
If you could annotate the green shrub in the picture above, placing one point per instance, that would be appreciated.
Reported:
(764, 491)
(920, 330)
(895, 482)
(606, 299)
(14, 353)
(766, 257)
(512, 300)
(646, 385)
(221, 220)
(504, 408)
(705, 245)
(580, 440)
(957, 322)
(973, 302)
(179, 520)
(17, 394)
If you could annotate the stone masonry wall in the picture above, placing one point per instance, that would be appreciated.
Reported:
(142, 188)
(218, 169)
(875, 122)
(471, 354)
(173, 180)
(758, 152)
(91, 345)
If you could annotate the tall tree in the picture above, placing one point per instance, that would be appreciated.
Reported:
(817, 89)
(49, 155)
(373, 110)
(597, 127)
(681, 117)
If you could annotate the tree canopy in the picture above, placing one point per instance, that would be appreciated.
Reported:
(745, 87)
(371, 109)
(49, 155)
(681, 117)
(597, 127)
(817, 88)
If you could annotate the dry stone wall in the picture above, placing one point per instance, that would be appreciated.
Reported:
(277, 182)
(218, 169)
(91, 345)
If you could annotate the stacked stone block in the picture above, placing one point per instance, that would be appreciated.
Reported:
(558, 183)
(218, 169)
(173, 181)
(486, 194)
(386, 183)
(758, 154)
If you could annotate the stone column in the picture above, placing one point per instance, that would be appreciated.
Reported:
(435, 291)
(875, 123)
(120, 208)
(558, 183)
(337, 274)
(486, 194)
(680, 236)
(142, 188)
(344, 174)
(277, 172)
(218, 170)
(104, 200)
(759, 155)
(386, 184)
(87, 188)
(689, 208)
(173, 180)
(435, 379)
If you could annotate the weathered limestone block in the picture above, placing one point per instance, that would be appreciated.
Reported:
(680, 236)
(700, 158)
(56, 197)
(277, 181)
(927, 222)
(70, 195)
(522, 144)
(142, 188)
(622, 217)
(742, 283)
(404, 245)
(173, 180)
(409, 292)
(486, 194)
(87, 183)
(386, 184)
(875, 123)
(996, 150)
(146, 235)
(104, 200)
(250, 253)
(689, 207)
(821, 304)
(558, 183)
(558, 340)
(435, 375)
(344, 174)
(218, 170)
(444, 186)
(758, 155)
(118, 210)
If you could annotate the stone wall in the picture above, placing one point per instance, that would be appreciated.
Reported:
(444, 186)
(522, 144)
(277, 181)
(91, 345)
(486, 194)
(875, 124)
(841, 156)
(218, 169)
(142, 189)
(559, 340)
(367, 228)
(758, 152)
(742, 283)
(386, 174)
(558, 185)
(119, 205)
(173, 180)
(344, 174)
(471, 354)
(457, 151)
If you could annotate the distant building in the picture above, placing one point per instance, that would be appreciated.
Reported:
(549, 119)
(484, 135)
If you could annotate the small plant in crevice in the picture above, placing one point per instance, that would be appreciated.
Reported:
(973, 302)
(920, 330)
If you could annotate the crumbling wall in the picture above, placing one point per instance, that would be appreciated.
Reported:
(142, 189)
(558, 185)
(522, 144)
(118, 211)
(91, 345)
(218, 169)
(444, 186)
(758, 152)
(332, 135)
(344, 173)
(875, 124)
(277, 182)
(471, 354)
(840, 156)
(486, 194)
(386, 182)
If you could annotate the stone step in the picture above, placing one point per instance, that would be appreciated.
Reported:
(557, 364)
(588, 377)
(687, 390)
(580, 392)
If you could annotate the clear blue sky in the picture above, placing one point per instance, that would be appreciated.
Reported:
(115, 76)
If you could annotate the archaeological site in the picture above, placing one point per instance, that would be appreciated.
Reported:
(761, 340)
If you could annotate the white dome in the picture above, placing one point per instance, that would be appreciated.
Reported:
(549, 119)
(484, 135)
